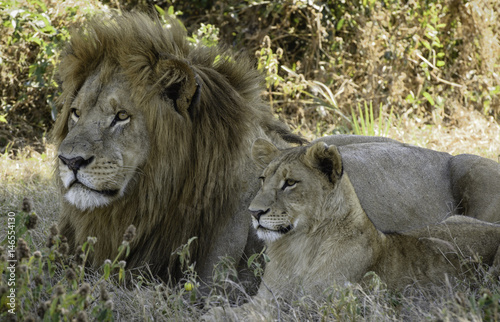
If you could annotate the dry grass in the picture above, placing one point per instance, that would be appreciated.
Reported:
(29, 175)
(147, 299)
(473, 133)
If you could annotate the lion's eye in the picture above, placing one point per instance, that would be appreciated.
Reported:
(122, 116)
(75, 114)
(289, 183)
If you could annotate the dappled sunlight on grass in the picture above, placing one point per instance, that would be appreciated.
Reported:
(472, 133)
(29, 174)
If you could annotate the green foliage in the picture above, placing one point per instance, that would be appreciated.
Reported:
(170, 12)
(33, 35)
(32, 27)
(487, 305)
(191, 276)
(256, 263)
(416, 57)
(268, 63)
(365, 125)
(206, 35)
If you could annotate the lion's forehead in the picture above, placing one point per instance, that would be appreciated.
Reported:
(90, 90)
(102, 98)
(278, 171)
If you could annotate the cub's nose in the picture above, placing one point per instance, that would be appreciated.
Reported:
(74, 164)
(258, 213)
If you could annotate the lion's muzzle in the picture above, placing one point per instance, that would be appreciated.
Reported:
(90, 181)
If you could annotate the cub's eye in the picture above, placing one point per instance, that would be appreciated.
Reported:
(75, 114)
(289, 183)
(262, 180)
(122, 116)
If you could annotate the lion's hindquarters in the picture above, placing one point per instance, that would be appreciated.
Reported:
(476, 184)
(453, 245)
(399, 187)
(407, 259)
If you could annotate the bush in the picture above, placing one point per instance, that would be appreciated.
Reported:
(33, 34)
(321, 59)
(418, 58)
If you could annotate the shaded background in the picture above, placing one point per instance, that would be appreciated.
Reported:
(326, 62)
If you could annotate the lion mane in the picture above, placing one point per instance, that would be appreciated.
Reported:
(191, 182)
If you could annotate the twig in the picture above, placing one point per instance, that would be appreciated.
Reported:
(275, 299)
(445, 81)
(426, 61)
(435, 68)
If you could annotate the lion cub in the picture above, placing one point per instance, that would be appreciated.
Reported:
(318, 235)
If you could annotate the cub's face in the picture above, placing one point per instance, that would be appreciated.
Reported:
(296, 183)
(106, 144)
(290, 196)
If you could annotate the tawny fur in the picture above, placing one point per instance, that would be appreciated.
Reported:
(333, 240)
(191, 183)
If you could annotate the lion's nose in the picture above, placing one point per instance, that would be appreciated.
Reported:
(258, 213)
(74, 164)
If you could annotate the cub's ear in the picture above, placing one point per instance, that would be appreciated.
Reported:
(179, 83)
(325, 158)
(263, 152)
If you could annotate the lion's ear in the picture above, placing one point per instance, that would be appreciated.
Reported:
(178, 83)
(263, 152)
(325, 158)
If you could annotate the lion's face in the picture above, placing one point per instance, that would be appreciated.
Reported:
(106, 144)
(294, 189)
(278, 208)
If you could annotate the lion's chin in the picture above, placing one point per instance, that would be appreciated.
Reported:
(269, 236)
(84, 198)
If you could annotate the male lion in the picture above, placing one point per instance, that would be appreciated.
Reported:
(317, 233)
(156, 133)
